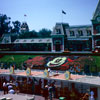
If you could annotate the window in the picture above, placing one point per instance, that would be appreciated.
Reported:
(72, 33)
(24, 40)
(48, 40)
(98, 29)
(58, 31)
(80, 33)
(40, 40)
(89, 32)
(17, 40)
(98, 43)
(32, 40)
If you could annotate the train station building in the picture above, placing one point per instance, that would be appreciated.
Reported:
(63, 38)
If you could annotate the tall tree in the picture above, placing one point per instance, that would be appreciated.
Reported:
(13, 37)
(44, 33)
(17, 26)
(4, 24)
(31, 34)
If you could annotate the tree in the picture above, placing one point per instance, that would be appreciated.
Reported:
(17, 26)
(31, 34)
(4, 24)
(44, 33)
(13, 37)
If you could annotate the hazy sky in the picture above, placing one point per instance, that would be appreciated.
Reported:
(45, 13)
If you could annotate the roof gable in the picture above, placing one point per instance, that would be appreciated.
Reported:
(97, 11)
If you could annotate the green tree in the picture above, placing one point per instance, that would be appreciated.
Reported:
(13, 37)
(44, 33)
(4, 24)
(31, 34)
(17, 26)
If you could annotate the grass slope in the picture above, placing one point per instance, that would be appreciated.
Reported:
(17, 59)
(97, 62)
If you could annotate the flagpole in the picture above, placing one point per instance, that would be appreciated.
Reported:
(62, 18)
(25, 17)
(63, 12)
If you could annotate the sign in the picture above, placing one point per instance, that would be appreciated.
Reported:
(11, 70)
(67, 75)
(46, 73)
(28, 71)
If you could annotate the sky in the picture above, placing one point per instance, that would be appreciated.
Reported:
(46, 13)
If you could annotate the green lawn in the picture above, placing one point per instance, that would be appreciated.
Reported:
(97, 62)
(17, 59)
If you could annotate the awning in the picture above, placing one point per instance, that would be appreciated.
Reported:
(79, 39)
(47, 40)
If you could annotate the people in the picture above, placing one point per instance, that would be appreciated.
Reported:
(45, 92)
(50, 91)
(85, 97)
(5, 87)
(49, 70)
(11, 91)
(10, 87)
(53, 89)
(91, 95)
(16, 87)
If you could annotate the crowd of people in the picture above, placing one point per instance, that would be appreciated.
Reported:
(46, 88)
(10, 87)
(50, 89)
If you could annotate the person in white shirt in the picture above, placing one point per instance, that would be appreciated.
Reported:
(49, 70)
(4, 87)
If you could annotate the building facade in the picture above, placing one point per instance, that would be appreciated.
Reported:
(63, 38)
(24, 27)
(96, 29)
(72, 38)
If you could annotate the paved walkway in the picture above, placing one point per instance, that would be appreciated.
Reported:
(22, 96)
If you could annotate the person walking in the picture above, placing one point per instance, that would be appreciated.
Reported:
(50, 91)
(16, 87)
(45, 92)
(91, 96)
(4, 87)
(53, 89)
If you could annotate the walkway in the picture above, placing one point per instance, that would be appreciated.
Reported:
(22, 96)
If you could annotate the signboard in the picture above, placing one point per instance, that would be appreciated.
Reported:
(46, 73)
(28, 71)
(11, 70)
(67, 75)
